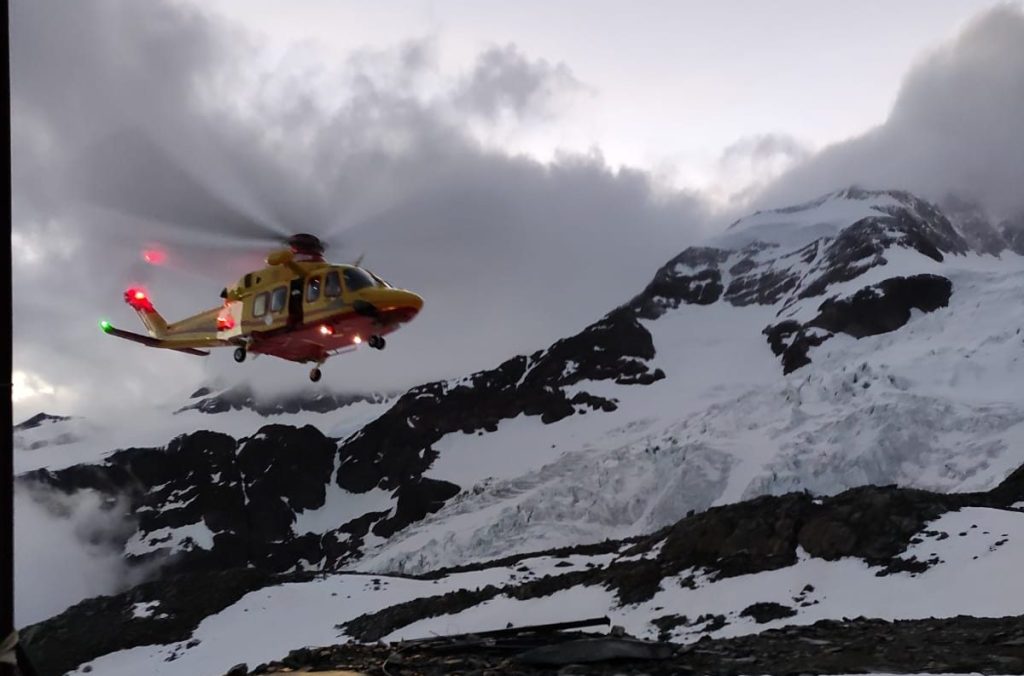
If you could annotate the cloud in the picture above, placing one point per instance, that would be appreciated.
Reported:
(141, 123)
(764, 148)
(956, 126)
(505, 81)
(750, 163)
(67, 551)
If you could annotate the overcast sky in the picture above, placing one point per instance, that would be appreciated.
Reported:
(524, 170)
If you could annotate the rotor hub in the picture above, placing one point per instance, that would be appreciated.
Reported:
(306, 246)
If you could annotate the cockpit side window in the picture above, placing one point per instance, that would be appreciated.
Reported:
(312, 289)
(259, 304)
(278, 299)
(332, 287)
(357, 278)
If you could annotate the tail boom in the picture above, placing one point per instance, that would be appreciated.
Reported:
(143, 306)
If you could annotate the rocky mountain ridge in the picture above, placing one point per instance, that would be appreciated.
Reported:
(856, 339)
(881, 527)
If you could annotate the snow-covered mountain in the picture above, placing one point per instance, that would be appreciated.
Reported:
(864, 338)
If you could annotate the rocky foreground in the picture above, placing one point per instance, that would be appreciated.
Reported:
(877, 525)
(953, 645)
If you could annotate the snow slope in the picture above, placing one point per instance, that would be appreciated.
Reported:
(935, 405)
(296, 615)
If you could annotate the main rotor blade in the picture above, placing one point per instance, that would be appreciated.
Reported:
(128, 172)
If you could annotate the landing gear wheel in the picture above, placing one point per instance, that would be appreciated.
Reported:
(315, 374)
(378, 342)
(239, 354)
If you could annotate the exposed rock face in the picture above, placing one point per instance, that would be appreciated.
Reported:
(764, 611)
(875, 309)
(241, 496)
(763, 273)
(615, 348)
(38, 420)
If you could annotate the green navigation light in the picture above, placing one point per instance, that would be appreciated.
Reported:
(105, 325)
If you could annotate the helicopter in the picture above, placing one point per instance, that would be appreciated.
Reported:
(299, 307)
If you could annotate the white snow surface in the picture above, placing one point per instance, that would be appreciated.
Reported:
(981, 544)
(792, 227)
(936, 404)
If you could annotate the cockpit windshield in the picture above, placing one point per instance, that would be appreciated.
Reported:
(357, 278)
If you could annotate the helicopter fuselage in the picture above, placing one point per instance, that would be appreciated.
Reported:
(302, 311)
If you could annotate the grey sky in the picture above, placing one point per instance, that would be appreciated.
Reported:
(672, 81)
(432, 138)
(956, 126)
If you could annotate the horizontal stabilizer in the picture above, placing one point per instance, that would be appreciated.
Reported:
(149, 341)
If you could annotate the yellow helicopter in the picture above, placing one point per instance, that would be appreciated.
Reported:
(300, 308)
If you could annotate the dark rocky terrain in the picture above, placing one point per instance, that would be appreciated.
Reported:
(875, 309)
(862, 645)
(875, 524)
(38, 420)
(872, 523)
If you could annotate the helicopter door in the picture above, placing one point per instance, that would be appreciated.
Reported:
(295, 302)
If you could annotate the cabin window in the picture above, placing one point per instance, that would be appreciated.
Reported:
(313, 289)
(279, 299)
(332, 287)
(248, 280)
(259, 304)
(356, 279)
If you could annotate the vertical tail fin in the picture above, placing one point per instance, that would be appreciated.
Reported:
(152, 320)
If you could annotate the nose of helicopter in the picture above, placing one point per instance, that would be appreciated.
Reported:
(400, 301)
(412, 301)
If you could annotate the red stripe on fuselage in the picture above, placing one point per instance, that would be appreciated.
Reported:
(308, 342)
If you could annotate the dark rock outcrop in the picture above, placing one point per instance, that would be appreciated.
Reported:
(767, 611)
(875, 309)
(245, 492)
(37, 420)
(616, 348)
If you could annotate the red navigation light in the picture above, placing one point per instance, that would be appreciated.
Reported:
(326, 330)
(154, 256)
(138, 299)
